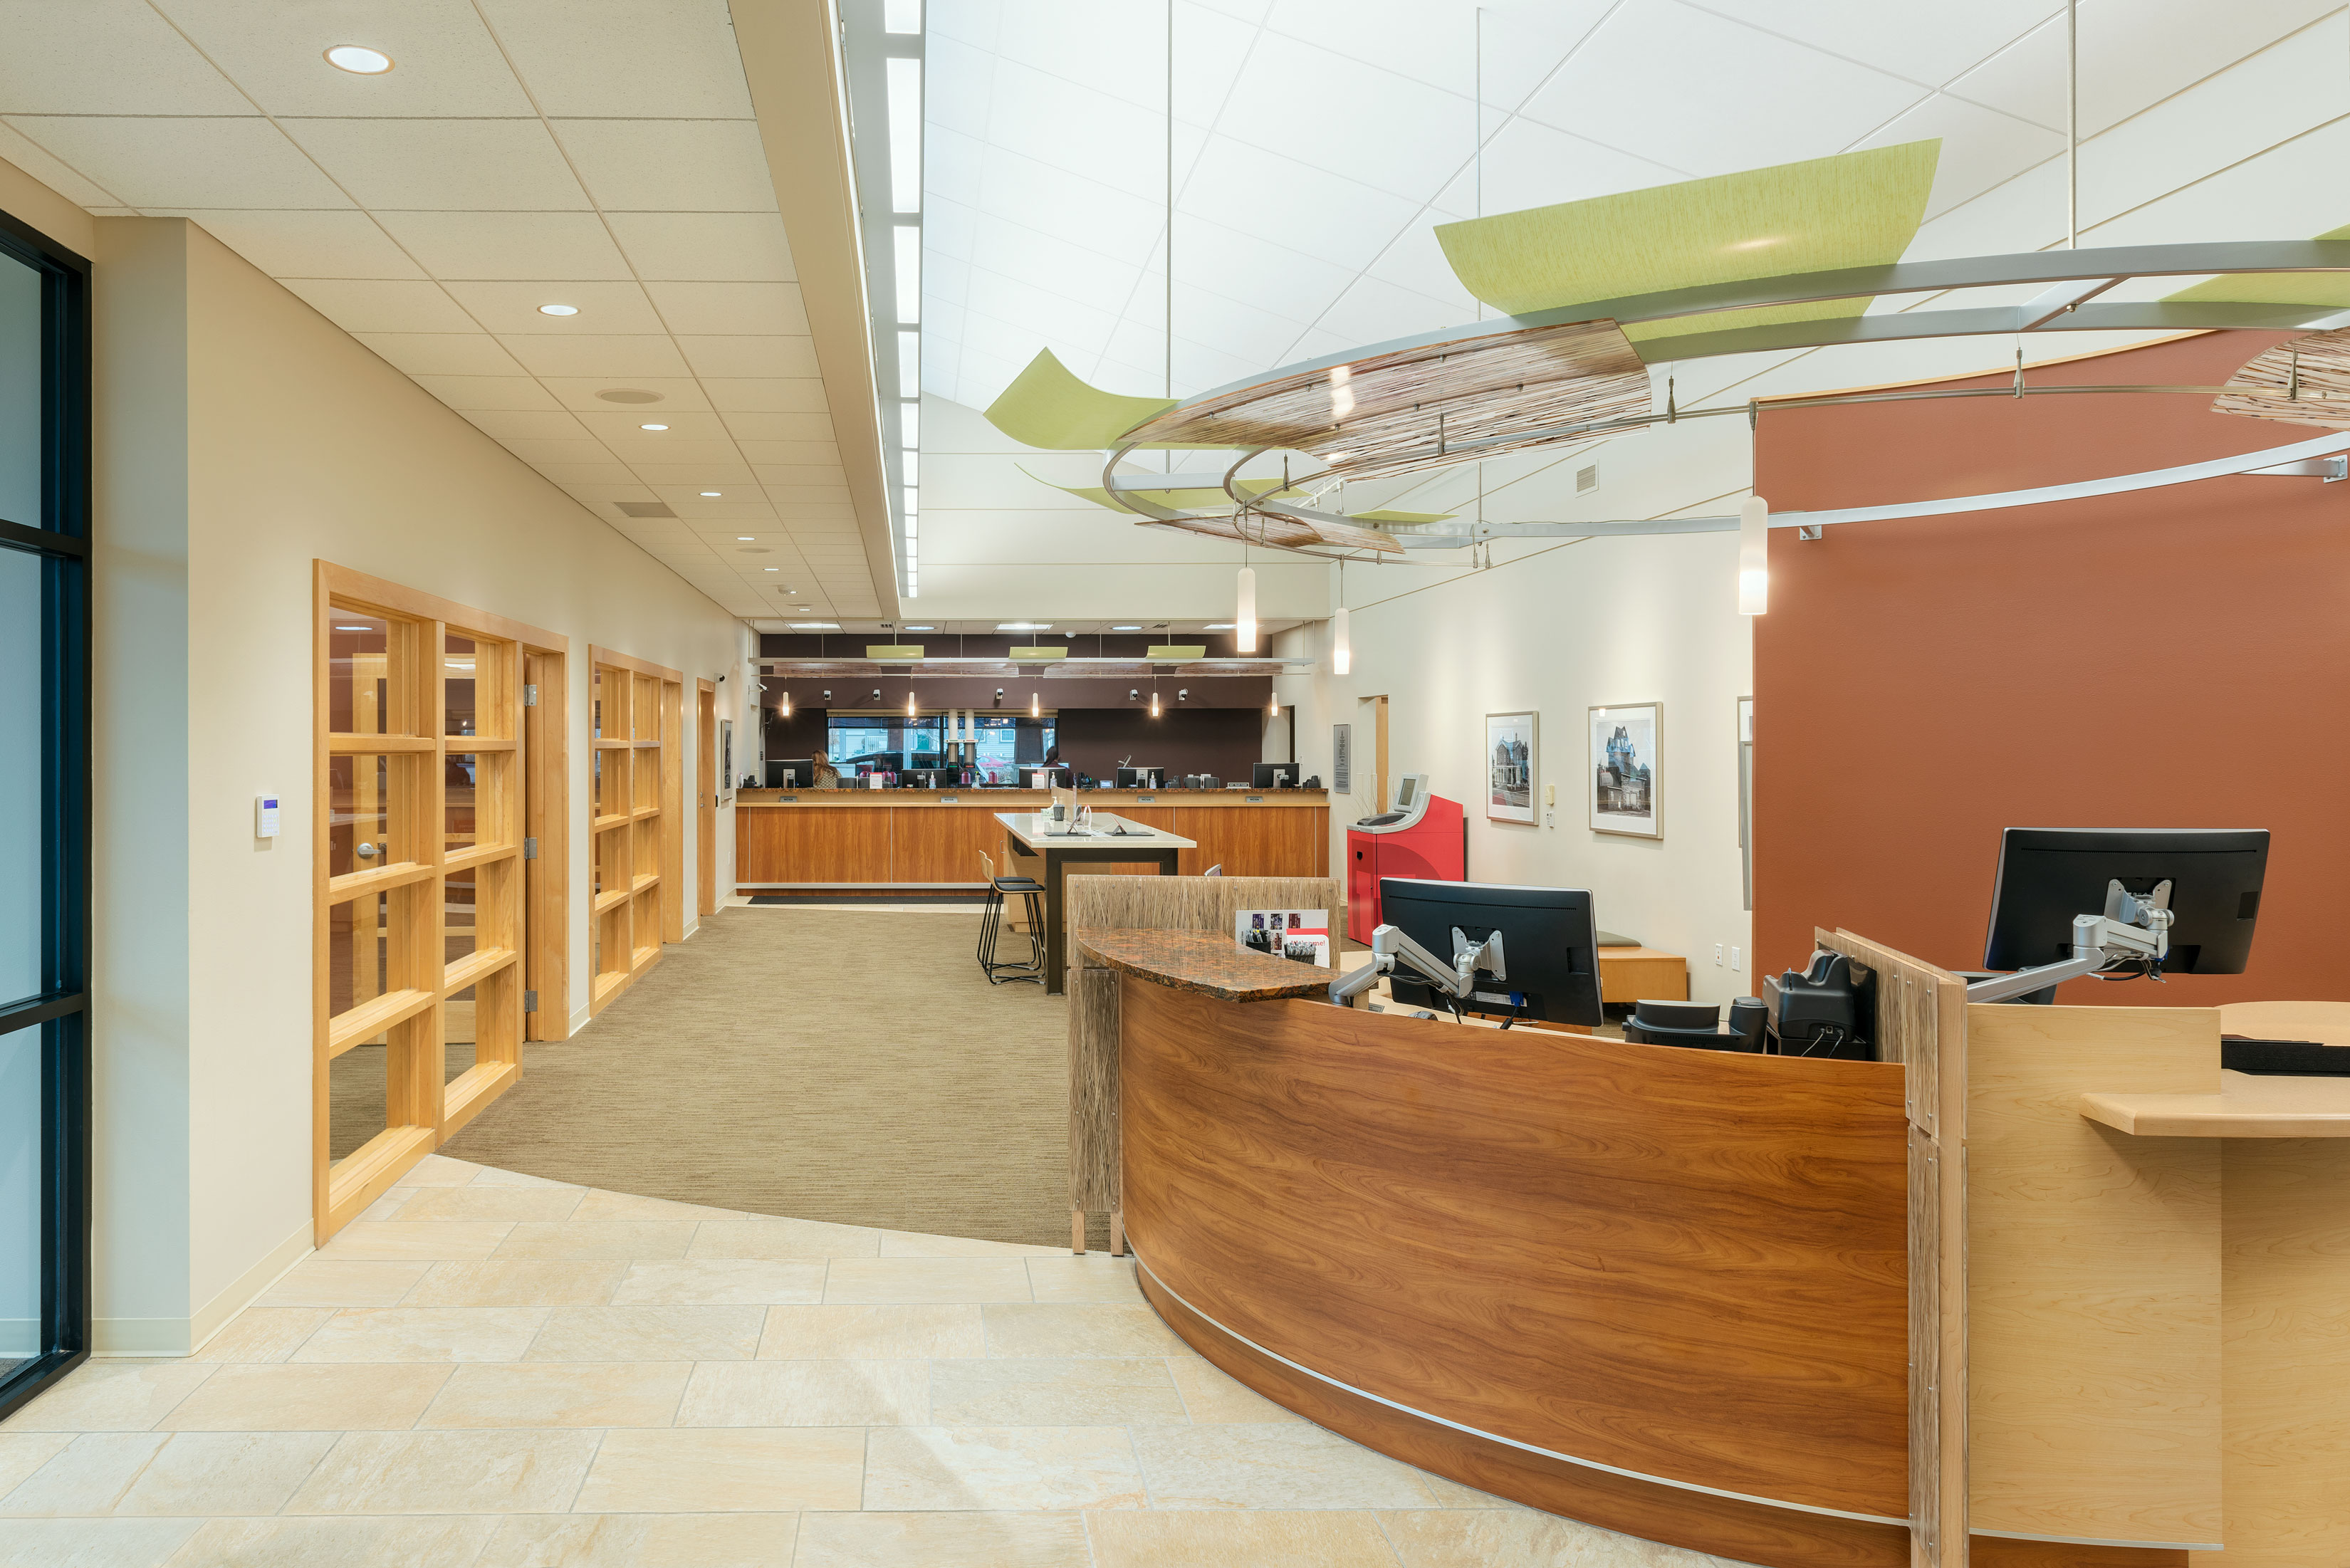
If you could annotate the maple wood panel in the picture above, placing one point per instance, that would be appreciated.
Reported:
(847, 846)
(1691, 1265)
(1255, 841)
(933, 844)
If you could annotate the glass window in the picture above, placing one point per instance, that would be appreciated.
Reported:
(23, 850)
(357, 649)
(20, 394)
(21, 1152)
(457, 671)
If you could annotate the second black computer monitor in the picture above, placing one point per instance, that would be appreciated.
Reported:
(1272, 775)
(1550, 946)
(2047, 875)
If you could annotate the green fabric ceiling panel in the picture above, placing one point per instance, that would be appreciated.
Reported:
(1855, 209)
(2275, 287)
(1047, 407)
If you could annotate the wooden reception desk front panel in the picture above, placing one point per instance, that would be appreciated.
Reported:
(871, 838)
(1662, 1291)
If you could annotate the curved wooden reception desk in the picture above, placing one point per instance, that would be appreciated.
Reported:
(1661, 1290)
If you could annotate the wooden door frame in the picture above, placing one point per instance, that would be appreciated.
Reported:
(339, 1197)
(705, 794)
(546, 876)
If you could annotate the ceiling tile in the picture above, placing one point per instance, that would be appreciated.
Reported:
(610, 424)
(511, 309)
(360, 305)
(58, 175)
(534, 425)
(1793, 101)
(791, 476)
(744, 360)
(670, 165)
(675, 61)
(474, 353)
(1324, 215)
(579, 392)
(443, 62)
(726, 247)
(735, 309)
(297, 244)
(708, 475)
(164, 162)
(786, 426)
(550, 453)
(1034, 114)
(596, 355)
(1928, 43)
(1980, 147)
(508, 246)
(640, 449)
(1530, 164)
(493, 165)
(785, 494)
(1306, 102)
(464, 393)
(822, 451)
(787, 423)
(590, 473)
(145, 67)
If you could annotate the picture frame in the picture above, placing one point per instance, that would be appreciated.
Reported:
(1622, 774)
(1513, 753)
(725, 761)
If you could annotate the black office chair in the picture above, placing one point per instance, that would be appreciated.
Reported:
(1000, 972)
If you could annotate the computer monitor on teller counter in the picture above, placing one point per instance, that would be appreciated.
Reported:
(2209, 879)
(1272, 775)
(1549, 958)
(791, 772)
(1141, 778)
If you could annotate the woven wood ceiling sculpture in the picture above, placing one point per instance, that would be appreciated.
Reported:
(1407, 410)
(2303, 382)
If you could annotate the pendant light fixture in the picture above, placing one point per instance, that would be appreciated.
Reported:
(911, 712)
(1035, 707)
(1245, 620)
(1342, 647)
(787, 703)
(1154, 701)
(1754, 556)
(1273, 705)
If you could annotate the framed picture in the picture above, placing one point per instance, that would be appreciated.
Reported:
(725, 761)
(1622, 768)
(1510, 753)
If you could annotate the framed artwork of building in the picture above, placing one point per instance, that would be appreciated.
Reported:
(1622, 768)
(1509, 753)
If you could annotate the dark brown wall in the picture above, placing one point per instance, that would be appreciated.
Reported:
(1224, 742)
(2175, 657)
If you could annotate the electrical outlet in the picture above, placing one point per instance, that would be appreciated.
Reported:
(1717, 955)
(1549, 819)
(1733, 959)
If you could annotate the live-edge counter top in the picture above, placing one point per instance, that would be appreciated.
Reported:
(1207, 961)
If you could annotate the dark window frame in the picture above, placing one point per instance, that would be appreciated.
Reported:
(60, 539)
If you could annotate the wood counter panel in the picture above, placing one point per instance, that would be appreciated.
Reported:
(937, 843)
(813, 846)
(1686, 1264)
(1255, 841)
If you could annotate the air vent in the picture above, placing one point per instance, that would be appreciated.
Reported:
(752, 550)
(629, 395)
(644, 508)
(1586, 480)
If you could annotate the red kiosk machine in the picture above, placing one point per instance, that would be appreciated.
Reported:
(1423, 836)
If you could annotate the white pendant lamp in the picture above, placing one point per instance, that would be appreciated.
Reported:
(1754, 556)
(1036, 708)
(787, 704)
(1154, 702)
(910, 713)
(1246, 619)
(1273, 705)
(1342, 649)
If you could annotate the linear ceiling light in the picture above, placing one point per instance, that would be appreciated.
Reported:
(1024, 625)
(653, 427)
(359, 60)
(559, 310)
(904, 79)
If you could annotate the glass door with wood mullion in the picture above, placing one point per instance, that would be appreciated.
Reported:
(421, 923)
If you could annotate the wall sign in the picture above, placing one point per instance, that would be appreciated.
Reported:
(1342, 758)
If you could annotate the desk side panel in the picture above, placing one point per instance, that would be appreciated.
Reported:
(2093, 1279)
(1686, 1264)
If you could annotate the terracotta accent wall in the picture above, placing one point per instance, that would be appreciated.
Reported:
(2178, 658)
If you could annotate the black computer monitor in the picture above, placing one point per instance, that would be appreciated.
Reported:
(1272, 775)
(880, 762)
(1141, 778)
(2049, 874)
(1549, 945)
(790, 773)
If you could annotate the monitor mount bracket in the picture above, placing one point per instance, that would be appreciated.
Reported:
(2132, 931)
(1388, 944)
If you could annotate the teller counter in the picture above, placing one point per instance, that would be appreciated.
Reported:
(2000, 1300)
(817, 839)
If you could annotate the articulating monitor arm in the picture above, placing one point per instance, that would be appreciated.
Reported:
(2133, 931)
(1389, 944)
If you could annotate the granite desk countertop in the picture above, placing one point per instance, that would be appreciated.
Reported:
(1206, 962)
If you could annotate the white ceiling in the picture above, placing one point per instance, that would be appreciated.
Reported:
(601, 153)
(1317, 142)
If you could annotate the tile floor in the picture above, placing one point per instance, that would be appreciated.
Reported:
(491, 1371)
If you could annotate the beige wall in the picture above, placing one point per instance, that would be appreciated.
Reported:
(239, 436)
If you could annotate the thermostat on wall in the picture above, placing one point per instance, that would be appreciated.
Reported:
(265, 817)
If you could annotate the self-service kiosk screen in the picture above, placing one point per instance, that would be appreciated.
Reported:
(1403, 793)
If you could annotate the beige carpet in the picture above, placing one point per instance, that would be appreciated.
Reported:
(840, 1065)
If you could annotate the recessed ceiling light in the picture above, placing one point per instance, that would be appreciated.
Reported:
(1219, 625)
(653, 427)
(709, 492)
(774, 568)
(917, 628)
(745, 538)
(817, 624)
(1126, 628)
(354, 629)
(559, 310)
(1024, 625)
(358, 59)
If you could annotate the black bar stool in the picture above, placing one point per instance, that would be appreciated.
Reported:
(991, 924)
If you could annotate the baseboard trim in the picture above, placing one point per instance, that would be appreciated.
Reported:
(249, 1286)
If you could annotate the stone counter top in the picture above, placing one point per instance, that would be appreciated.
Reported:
(1205, 962)
(1001, 799)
